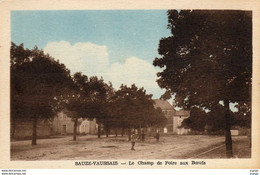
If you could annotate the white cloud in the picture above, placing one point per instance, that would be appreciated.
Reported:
(87, 58)
(134, 70)
(92, 59)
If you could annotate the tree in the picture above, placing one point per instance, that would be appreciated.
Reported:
(86, 99)
(211, 121)
(100, 95)
(243, 115)
(197, 120)
(135, 109)
(76, 101)
(37, 82)
(207, 59)
(157, 118)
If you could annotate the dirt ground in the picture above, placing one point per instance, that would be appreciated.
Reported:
(91, 148)
(241, 149)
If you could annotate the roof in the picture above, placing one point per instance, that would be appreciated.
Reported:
(181, 113)
(164, 105)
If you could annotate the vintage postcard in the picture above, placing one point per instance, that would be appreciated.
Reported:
(131, 85)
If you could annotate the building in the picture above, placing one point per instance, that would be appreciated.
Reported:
(175, 118)
(178, 118)
(62, 124)
(168, 111)
(88, 126)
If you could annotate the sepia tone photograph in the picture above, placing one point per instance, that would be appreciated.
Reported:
(130, 84)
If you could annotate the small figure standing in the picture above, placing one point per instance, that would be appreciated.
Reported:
(157, 136)
(133, 140)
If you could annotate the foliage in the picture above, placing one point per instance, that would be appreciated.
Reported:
(208, 58)
(196, 121)
(243, 115)
(135, 108)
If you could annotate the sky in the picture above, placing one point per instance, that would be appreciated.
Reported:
(119, 45)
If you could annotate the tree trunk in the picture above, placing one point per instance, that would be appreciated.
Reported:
(129, 134)
(228, 138)
(75, 129)
(142, 135)
(122, 132)
(107, 131)
(99, 131)
(34, 133)
(12, 128)
(139, 128)
(116, 132)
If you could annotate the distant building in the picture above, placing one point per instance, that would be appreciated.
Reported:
(168, 111)
(178, 118)
(62, 124)
(175, 118)
(88, 126)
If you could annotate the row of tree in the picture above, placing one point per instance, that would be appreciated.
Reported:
(213, 121)
(41, 86)
(207, 61)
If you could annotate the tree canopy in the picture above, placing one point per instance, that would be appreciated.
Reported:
(208, 58)
(136, 108)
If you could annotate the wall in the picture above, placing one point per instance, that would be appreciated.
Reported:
(23, 129)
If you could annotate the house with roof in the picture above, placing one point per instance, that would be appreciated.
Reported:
(175, 118)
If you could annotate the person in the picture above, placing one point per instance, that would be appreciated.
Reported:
(133, 140)
(157, 136)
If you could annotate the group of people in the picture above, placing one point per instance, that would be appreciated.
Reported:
(134, 137)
